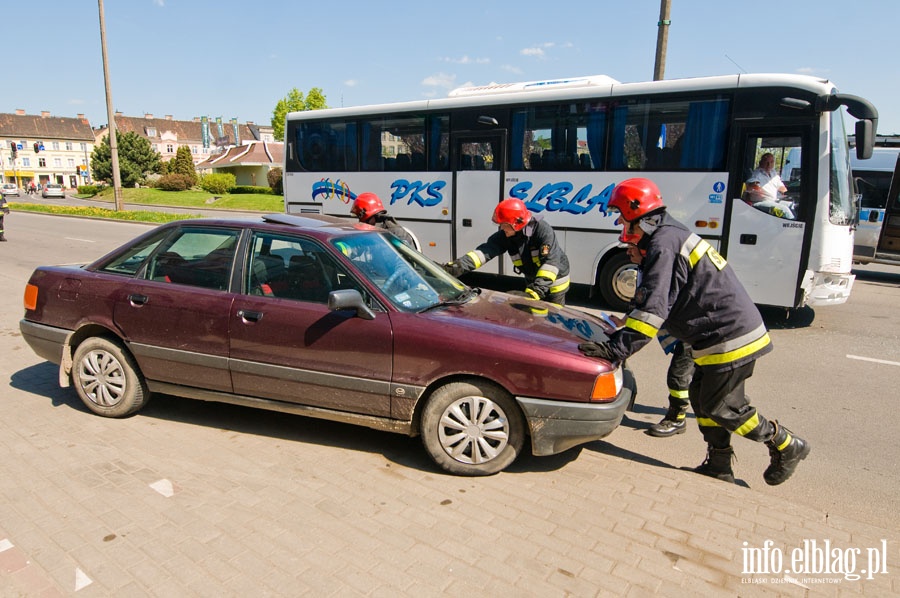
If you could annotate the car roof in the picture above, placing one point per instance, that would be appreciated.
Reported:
(319, 225)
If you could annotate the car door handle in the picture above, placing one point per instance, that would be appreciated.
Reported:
(250, 316)
(137, 300)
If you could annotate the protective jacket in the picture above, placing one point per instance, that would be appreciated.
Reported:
(688, 287)
(535, 254)
(389, 224)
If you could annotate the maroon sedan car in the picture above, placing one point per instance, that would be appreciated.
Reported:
(326, 318)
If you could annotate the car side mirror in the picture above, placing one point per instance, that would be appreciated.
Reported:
(350, 299)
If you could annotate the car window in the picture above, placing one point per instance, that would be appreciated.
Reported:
(131, 260)
(289, 267)
(196, 257)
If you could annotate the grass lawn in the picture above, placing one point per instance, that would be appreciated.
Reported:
(156, 197)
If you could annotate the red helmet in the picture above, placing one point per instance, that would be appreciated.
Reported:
(366, 205)
(513, 212)
(635, 198)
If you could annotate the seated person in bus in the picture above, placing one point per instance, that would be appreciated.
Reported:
(531, 244)
(763, 187)
(367, 207)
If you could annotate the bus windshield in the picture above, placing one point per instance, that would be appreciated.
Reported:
(842, 208)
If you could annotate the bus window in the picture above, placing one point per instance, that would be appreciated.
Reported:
(559, 137)
(664, 136)
(326, 146)
(393, 144)
(766, 158)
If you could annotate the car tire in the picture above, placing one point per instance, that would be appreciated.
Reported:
(472, 428)
(617, 281)
(107, 378)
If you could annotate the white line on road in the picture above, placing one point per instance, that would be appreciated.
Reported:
(82, 240)
(872, 359)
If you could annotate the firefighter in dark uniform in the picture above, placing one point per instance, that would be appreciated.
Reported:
(367, 207)
(532, 246)
(678, 376)
(4, 210)
(692, 291)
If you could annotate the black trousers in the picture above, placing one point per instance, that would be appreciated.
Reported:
(722, 408)
(679, 374)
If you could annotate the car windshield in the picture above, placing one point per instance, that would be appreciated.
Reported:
(411, 281)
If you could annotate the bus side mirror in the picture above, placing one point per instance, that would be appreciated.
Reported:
(864, 139)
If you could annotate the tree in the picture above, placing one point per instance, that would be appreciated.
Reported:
(184, 164)
(294, 102)
(137, 159)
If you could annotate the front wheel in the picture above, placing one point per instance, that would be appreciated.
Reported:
(107, 378)
(472, 428)
(617, 281)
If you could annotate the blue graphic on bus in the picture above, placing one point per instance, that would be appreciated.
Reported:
(328, 189)
(422, 193)
(559, 197)
(718, 186)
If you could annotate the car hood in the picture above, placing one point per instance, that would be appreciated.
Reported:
(513, 317)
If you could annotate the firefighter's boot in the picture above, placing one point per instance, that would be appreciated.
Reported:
(672, 423)
(786, 451)
(717, 464)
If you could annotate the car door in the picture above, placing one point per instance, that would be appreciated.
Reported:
(286, 345)
(174, 315)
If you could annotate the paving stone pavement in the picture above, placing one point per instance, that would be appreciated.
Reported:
(197, 499)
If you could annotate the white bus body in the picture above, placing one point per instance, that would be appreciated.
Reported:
(440, 166)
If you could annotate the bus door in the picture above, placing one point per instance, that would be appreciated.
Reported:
(767, 227)
(478, 166)
(889, 242)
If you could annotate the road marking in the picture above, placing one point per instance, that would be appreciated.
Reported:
(872, 359)
(82, 240)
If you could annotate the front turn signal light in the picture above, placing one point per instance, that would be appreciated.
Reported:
(31, 293)
(607, 386)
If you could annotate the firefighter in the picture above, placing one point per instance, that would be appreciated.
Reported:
(4, 210)
(678, 376)
(688, 287)
(367, 207)
(531, 244)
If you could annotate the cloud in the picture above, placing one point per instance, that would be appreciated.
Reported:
(351, 82)
(539, 52)
(512, 69)
(159, 2)
(465, 60)
(440, 80)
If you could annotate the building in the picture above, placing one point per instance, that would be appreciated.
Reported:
(48, 149)
(204, 136)
(250, 163)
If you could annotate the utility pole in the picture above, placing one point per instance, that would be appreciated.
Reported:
(662, 39)
(110, 115)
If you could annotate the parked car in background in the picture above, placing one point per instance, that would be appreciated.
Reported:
(8, 189)
(53, 190)
(327, 318)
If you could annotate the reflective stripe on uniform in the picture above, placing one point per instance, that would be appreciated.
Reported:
(678, 394)
(748, 426)
(642, 327)
(562, 284)
(705, 422)
(695, 248)
(734, 349)
(477, 258)
(548, 271)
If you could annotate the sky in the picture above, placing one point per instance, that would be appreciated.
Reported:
(236, 59)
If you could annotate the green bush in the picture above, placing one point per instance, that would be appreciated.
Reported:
(218, 183)
(90, 190)
(175, 182)
(274, 178)
(247, 189)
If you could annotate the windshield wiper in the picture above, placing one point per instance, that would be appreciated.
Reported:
(463, 297)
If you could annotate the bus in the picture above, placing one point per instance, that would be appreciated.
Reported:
(441, 166)
(873, 183)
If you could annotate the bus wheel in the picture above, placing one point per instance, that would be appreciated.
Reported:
(617, 281)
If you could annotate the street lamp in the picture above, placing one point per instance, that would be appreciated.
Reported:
(113, 146)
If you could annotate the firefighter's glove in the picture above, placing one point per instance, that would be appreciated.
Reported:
(600, 350)
(454, 268)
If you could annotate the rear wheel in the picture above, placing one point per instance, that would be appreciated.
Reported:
(617, 281)
(107, 378)
(472, 428)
